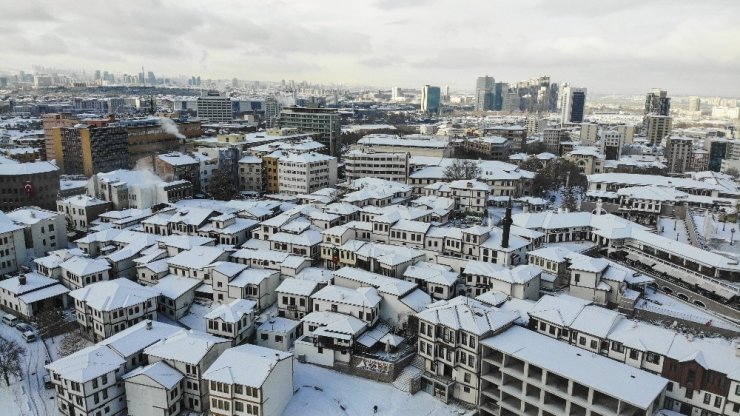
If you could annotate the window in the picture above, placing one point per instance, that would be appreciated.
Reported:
(467, 377)
(652, 357)
(707, 398)
(238, 406)
(594, 344)
(669, 387)
(689, 393)
(634, 354)
(718, 401)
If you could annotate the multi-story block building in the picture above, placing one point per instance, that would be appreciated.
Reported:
(13, 251)
(50, 122)
(179, 166)
(366, 163)
(86, 149)
(250, 380)
(679, 154)
(251, 174)
(324, 123)
(491, 147)
(657, 127)
(24, 184)
(214, 108)
(305, 173)
(108, 307)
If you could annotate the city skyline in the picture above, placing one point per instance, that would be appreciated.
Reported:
(392, 43)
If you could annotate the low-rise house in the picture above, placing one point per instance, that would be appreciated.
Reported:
(237, 281)
(26, 295)
(438, 280)
(278, 333)
(87, 382)
(190, 353)
(329, 337)
(78, 272)
(521, 282)
(81, 210)
(197, 263)
(284, 263)
(450, 332)
(251, 380)
(153, 389)
(108, 307)
(362, 303)
(233, 320)
(294, 297)
(176, 294)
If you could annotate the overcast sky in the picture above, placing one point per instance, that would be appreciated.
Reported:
(610, 46)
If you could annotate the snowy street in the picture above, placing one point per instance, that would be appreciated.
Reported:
(28, 395)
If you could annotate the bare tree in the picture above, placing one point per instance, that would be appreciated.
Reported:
(462, 169)
(11, 355)
(71, 343)
(734, 173)
(49, 319)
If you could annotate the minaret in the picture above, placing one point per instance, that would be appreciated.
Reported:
(506, 222)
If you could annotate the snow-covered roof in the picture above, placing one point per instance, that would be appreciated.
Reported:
(519, 275)
(186, 346)
(470, 315)
(30, 216)
(559, 310)
(34, 281)
(197, 257)
(384, 284)
(31, 168)
(184, 242)
(232, 311)
(298, 287)
(251, 276)
(316, 274)
(362, 296)
(605, 375)
(114, 294)
(493, 298)
(139, 336)
(87, 364)
(279, 325)
(596, 321)
(83, 266)
(173, 286)
(337, 325)
(159, 372)
(432, 273)
(177, 159)
(246, 365)
(656, 180)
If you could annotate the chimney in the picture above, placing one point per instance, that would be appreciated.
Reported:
(506, 222)
(149, 325)
(22, 279)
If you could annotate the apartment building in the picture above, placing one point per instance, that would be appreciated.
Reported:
(305, 173)
(657, 127)
(87, 149)
(108, 307)
(490, 147)
(323, 123)
(28, 184)
(251, 174)
(50, 122)
(214, 108)
(679, 154)
(367, 163)
(250, 380)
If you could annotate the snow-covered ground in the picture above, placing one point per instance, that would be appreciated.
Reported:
(357, 396)
(27, 396)
(664, 304)
(718, 234)
(665, 228)
(497, 213)
(194, 319)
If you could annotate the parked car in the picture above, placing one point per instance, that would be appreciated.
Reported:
(29, 336)
(10, 320)
(23, 327)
